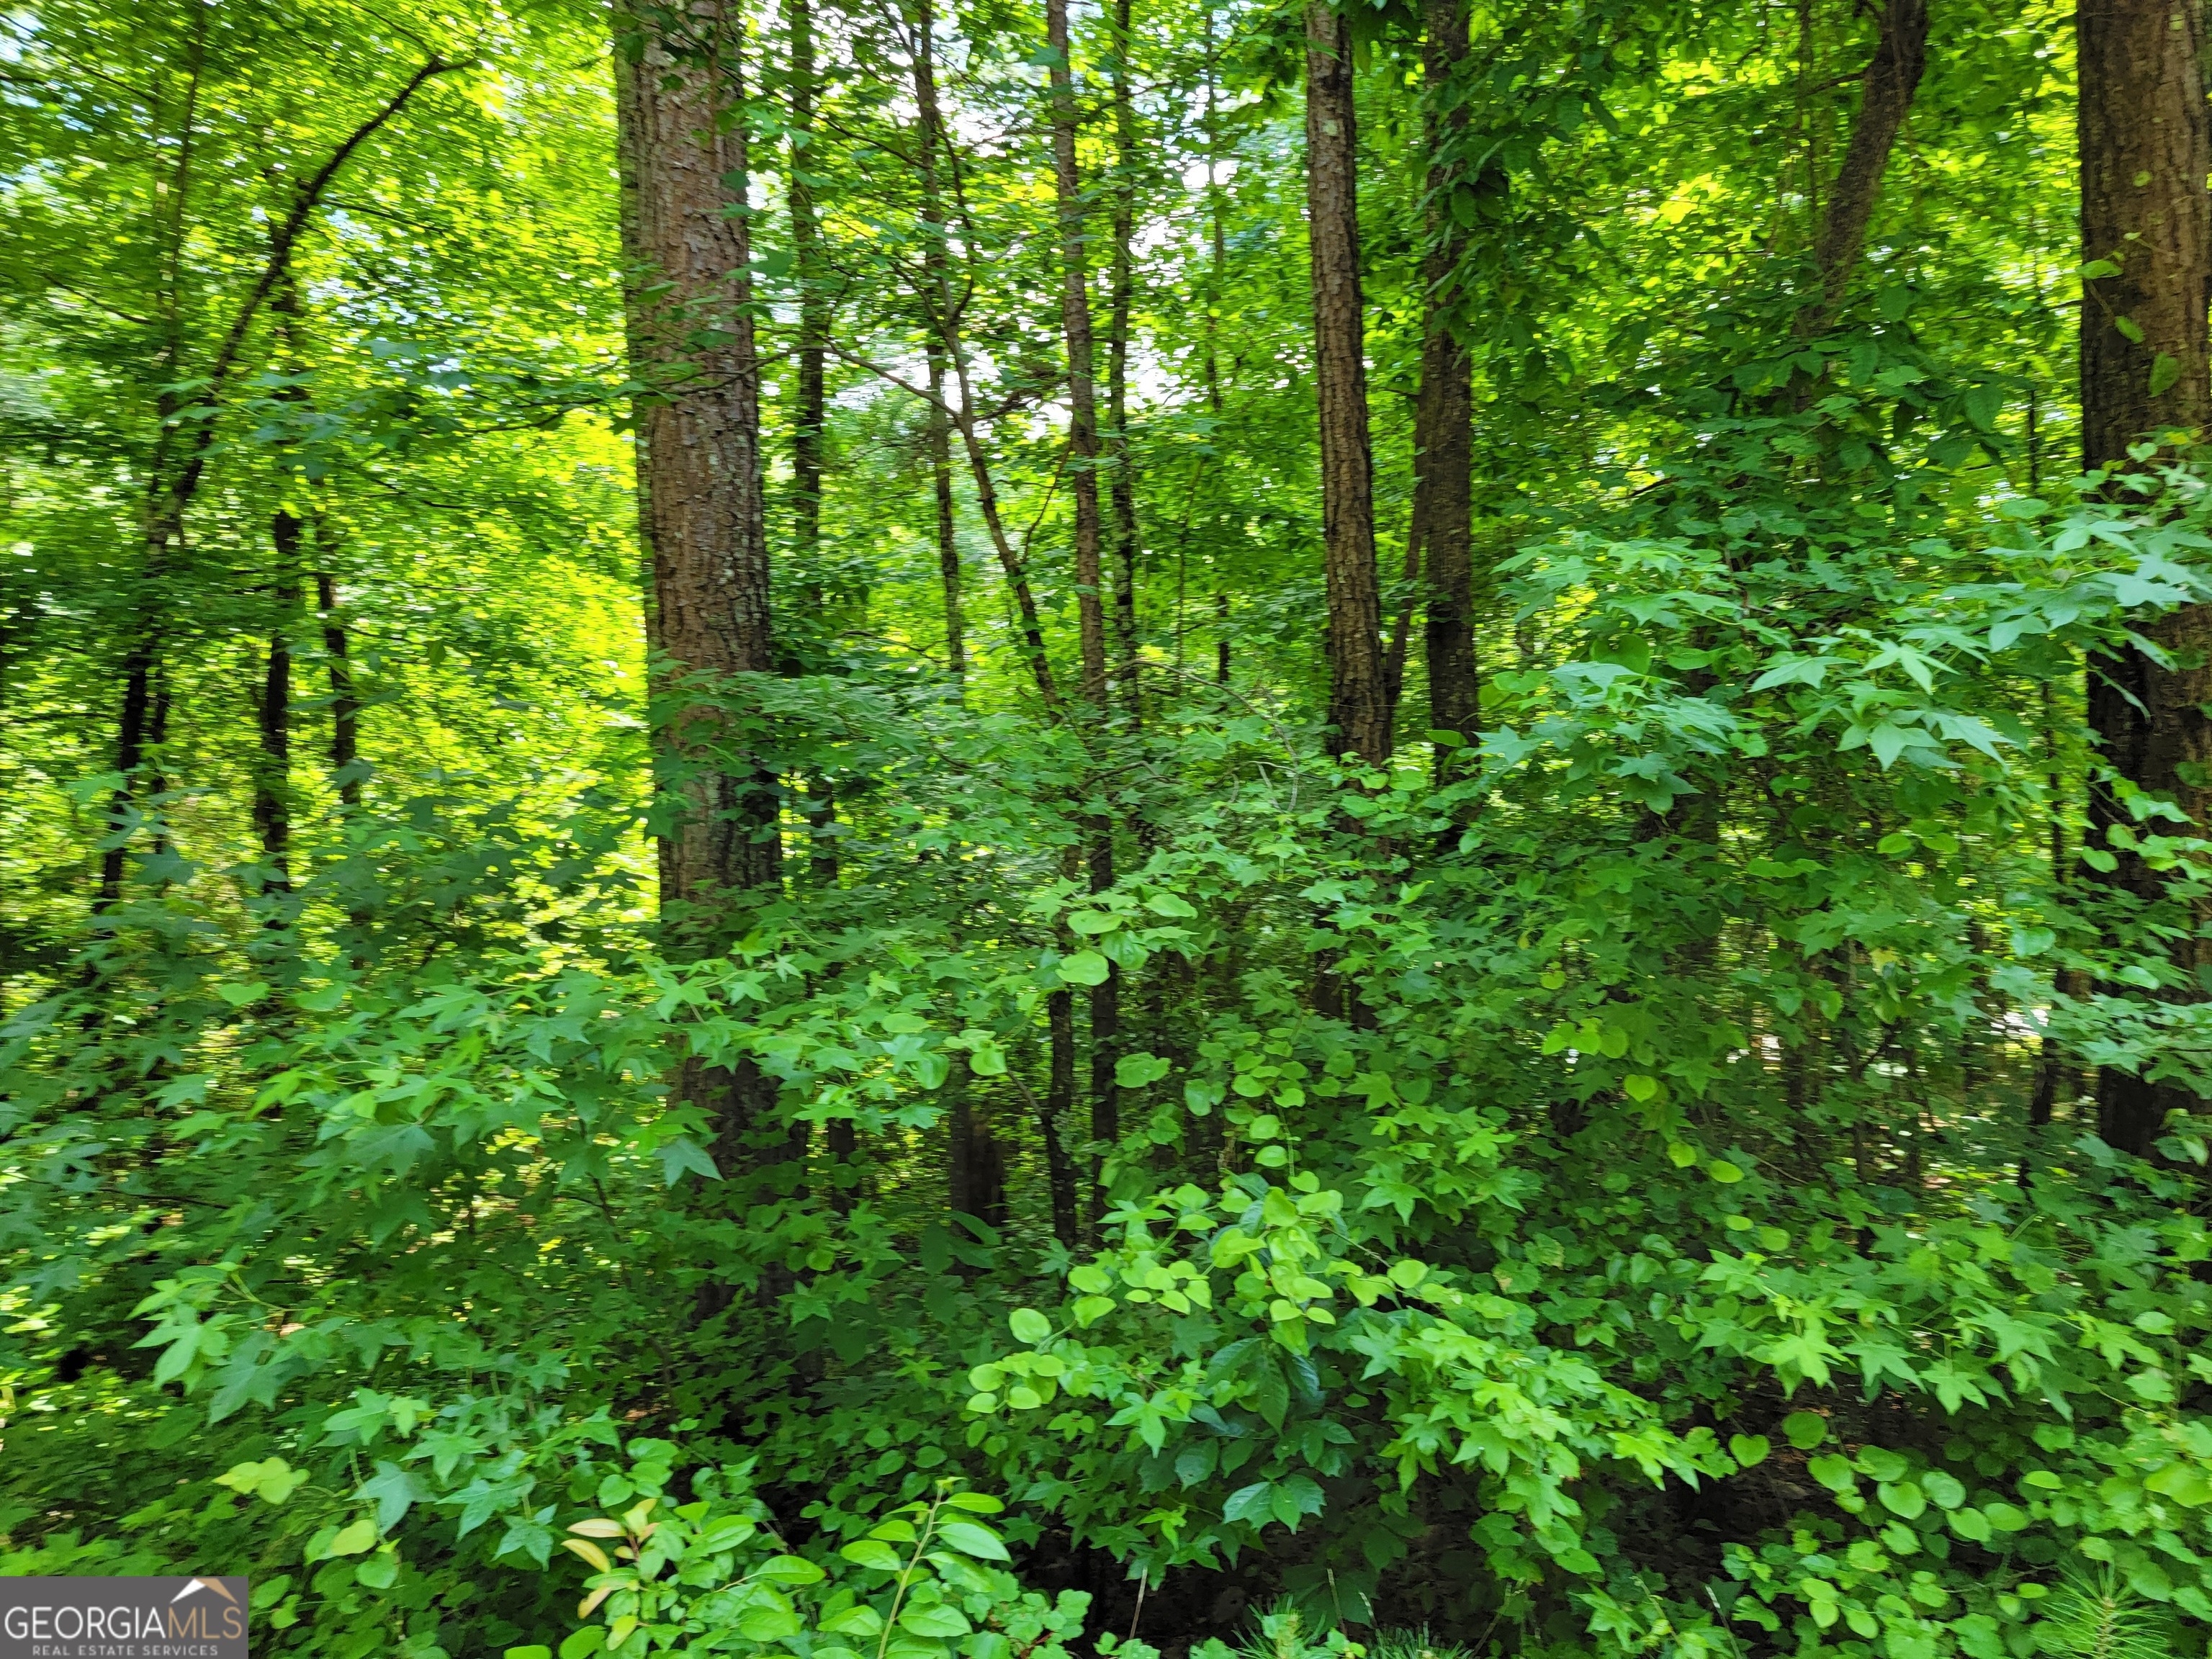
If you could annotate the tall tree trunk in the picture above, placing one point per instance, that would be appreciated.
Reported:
(937, 293)
(1052, 1122)
(1886, 92)
(1104, 998)
(813, 300)
(345, 702)
(1075, 331)
(1120, 471)
(1444, 418)
(1217, 289)
(939, 439)
(272, 775)
(2146, 150)
(1359, 702)
(945, 321)
(701, 514)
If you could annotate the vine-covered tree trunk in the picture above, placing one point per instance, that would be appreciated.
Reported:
(1359, 701)
(2146, 238)
(702, 514)
(1444, 417)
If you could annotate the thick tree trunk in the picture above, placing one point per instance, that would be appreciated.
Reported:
(701, 514)
(2146, 150)
(1358, 705)
(1444, 418)
(1886, 92)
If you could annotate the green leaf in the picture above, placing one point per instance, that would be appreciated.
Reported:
(1091, 923)
(1029, 1326)
(872, 1553)
(1749, 1451)
(2164, 372)
(938, 1620)
(1805, 1429)
(975, 1502)
(791, 1569)
(1833, 1472)
(1085, 968)
(768, 1623)
(1135, 1070)
(680, 1154)
(1945, 1492)
(535, 1650)
(1724, 1172)
(972, 1538)
(353, 1540)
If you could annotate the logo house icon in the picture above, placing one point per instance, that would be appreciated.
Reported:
(203, 1616)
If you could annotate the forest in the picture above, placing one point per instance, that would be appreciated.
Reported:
(1111, 829)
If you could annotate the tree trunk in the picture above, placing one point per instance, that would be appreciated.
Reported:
(1075, 331)
(1444, 418)
(1359, 706)
(946, 324)
(2145, 209)
(938, 292)
(702, 515)
(1052, 1124)
(345, 703)
(1121, 472)
(813, 301)
(1886, 92)
(272, 775)
(939, 436)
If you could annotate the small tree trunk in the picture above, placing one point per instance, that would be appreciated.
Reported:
(940, 438)
(1358, 710)
(1120, 473)
(1075, 329)
(1444, 418)
(813, 301)
(272, 775)
(345, 703)
(1058, 1102)
(2146, 147)
(1886, 94)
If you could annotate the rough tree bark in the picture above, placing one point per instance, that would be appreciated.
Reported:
(701, 514)
(1358, 702)
(1444, 417)
(2145, 154)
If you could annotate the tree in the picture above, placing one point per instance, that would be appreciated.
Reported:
(1359, 706)
(702, 517)
(2146, 250)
